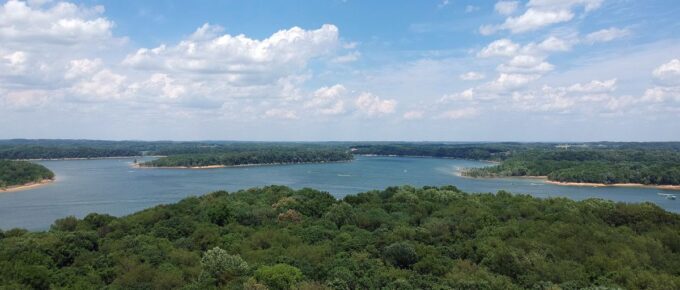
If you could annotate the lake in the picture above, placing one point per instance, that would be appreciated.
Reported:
(112, 186)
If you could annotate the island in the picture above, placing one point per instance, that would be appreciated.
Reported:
(397, 238)
(269, 156)
(18, 175)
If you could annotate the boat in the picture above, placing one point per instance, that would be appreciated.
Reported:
(668, 195)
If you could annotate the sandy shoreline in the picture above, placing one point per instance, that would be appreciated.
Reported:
(545, 180)
(27, 186)
(138, 165)
(667, 187)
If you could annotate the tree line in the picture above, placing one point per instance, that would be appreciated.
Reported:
(264, 156)
(398, 238)
(21, 172)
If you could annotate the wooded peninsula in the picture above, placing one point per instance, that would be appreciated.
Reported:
(17, 173)
(259, 157)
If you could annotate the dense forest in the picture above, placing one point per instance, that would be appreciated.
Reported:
(21, 172)
(610, 166)
(264, 156)
(398, 238)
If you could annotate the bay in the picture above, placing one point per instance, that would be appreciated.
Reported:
(112, 186)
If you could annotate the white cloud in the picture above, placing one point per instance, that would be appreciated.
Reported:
(281, 114)
(588, 5)
(508, 81)
(466, 95)
(242, 58)
(668, 71)
(553, 43)
(372, 105)
(534, 19)
(104, 85)
(539, 13)
(82, 67)
(594, 86)
(459, 113)
(472, 76)
(606, 35)
(506, 7)
(526, 64)
(501, 47)
(414, 115)
(328, 100)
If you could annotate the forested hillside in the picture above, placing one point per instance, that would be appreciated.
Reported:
(264, 156)
(398, 238)
(22, 172)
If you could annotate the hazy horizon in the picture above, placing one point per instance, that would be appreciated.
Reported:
(341, 70)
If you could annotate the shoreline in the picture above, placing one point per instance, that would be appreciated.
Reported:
(138, 165)
(426, 156)
(27, 186)
(590, 184)
(88, 158)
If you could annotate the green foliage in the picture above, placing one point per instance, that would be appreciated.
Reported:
(217, 265)
(397, 238)
(264, 156)
(279, 276)
(22, 172)
(607, 166)
(401, 255)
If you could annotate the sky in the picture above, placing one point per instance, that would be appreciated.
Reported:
(438, 70)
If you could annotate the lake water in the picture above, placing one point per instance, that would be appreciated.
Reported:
(112, 186)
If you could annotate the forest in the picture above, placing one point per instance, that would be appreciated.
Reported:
(21, 172)
(398, 238)
(263, 156)
(607, 166)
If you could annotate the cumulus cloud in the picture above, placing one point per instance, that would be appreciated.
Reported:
(328, 100)
(242, 59)
(594, 86)
(539, 14)
(525, 64)
(606, 35)
(501, 47)
(62, 24)
(509, 81)
(669, 71)
(372, 105)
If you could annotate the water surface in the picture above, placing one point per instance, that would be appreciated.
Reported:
(112, 186)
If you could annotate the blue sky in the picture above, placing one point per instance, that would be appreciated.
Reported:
(536, 70)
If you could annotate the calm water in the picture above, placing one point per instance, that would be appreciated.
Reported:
(112, 186)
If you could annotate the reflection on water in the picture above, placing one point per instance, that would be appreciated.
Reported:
(112, 186)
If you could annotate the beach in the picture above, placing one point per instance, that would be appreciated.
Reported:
(26, 186)
(667, 187)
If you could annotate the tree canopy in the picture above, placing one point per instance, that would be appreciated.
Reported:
(22, 172)
(398, 238)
